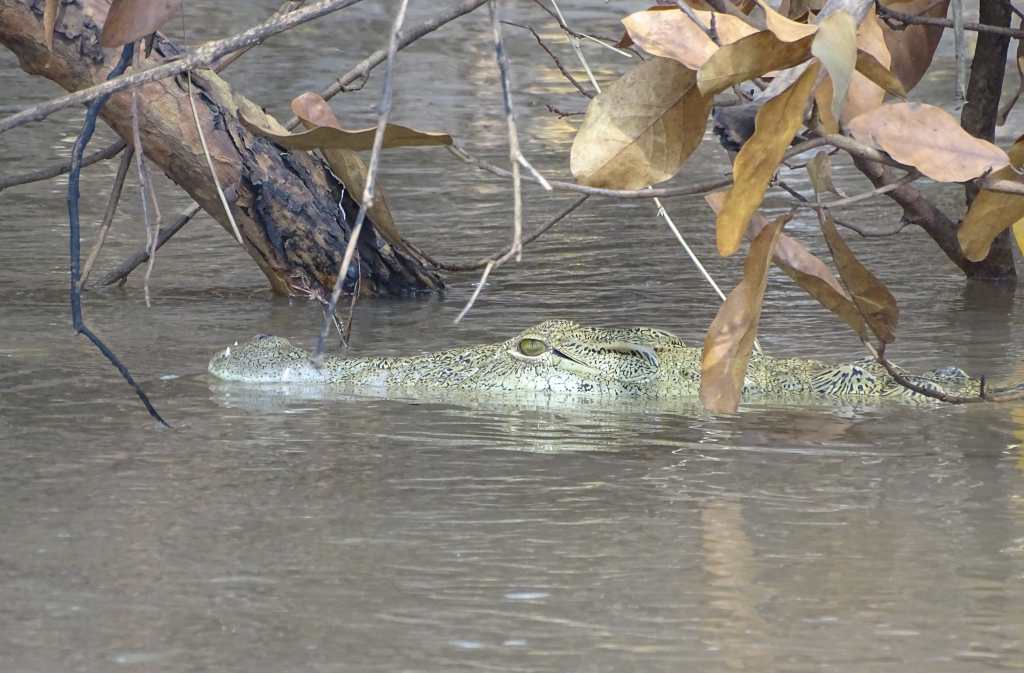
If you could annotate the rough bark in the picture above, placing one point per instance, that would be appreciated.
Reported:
(979, 119)
(285, 204)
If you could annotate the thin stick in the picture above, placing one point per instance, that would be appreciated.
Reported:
(513, 138)
(909, 19)
(474, 266)
(693, 257)
(561, 185)
(371, 174)
(108, 215)
(200, 57)
(74, 238)
(574, 40)
(209, 162)
(558, 63)
(120, 273)
(960, 49)
(152, 228)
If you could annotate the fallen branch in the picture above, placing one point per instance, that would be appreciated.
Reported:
(201, 57)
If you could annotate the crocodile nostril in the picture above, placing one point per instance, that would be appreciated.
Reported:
(261, 337)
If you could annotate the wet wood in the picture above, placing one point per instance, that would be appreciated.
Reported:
(285, 204)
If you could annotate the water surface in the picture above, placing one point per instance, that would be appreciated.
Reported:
(286, 530)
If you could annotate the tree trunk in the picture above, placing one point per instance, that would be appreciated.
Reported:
(285, 203)
(979, 119)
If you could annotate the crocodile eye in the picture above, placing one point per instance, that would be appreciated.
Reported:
(532, 347)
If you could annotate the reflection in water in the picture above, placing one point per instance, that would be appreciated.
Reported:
(290, 529)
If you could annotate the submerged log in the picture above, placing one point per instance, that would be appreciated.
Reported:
(286, 204)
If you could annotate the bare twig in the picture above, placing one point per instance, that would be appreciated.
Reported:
(690, 14)
(561, 185)
(108, 216)
(49, 172)
(960, 49)
(554, 58)
(480, 286)
(515, 155)
(120, 273)
(74, 238)
(911, 19)
(371, 174)
(209, 162)
(534, 235)
(200, 57)
(574, 40)
(145, 184)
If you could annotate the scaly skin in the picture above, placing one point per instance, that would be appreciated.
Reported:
(560, 356)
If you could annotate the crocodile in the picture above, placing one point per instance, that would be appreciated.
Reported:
(564, 357)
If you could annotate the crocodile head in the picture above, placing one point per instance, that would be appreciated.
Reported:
(265, 359)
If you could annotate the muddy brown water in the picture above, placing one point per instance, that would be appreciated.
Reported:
(278, 530)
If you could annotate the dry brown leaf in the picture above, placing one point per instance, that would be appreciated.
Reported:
(777, 122)
(129, 20)
(807, 270)
(877, 305)
(823, 106)
(326, 137)
(912, 47)
(313, 111)
(783, 27)
(992, 212)
(731, 336)
(50, 11)
(641, 128)
(864, 94)
(672, 34)
(879, 75)
(819, 169)
(750, 57)
(835, 45)
(929, 139)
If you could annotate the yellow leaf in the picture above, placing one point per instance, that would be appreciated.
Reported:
(672, 34)
(784, 28)
(731, 336)
(641, 128)
(929, 139)
(835, 45)
(865, 94)
(50, 11)
(1018, 233)
(871, 296)
(327, 137)
(992, 212)
(750, 57)
(808, 271)
(313, 111)
(777, 122)
(128, 20)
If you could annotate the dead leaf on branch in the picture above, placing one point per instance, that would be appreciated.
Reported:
(777, 122)
(672, 34)
(805, 269)
(870, 82)
(785, 28)
(929, 139)
(835, 45)
(819, 169)
(313, 111)
(641, 128)
(129, 20)
(992, 212)
(750, 57)
(876, 304)
(913, 47)
(730, 338)
(329, 137)
(50, 11)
